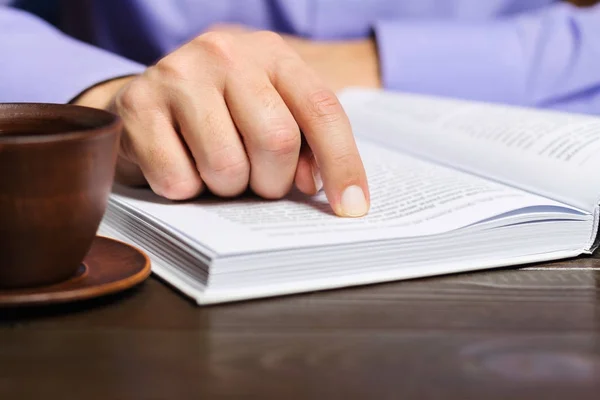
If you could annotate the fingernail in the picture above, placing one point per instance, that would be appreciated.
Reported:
(354, 203)
(316, 173)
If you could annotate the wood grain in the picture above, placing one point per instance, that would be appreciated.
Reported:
(518, 334)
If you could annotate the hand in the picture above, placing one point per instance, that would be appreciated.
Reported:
(340, 64)
(224, 112)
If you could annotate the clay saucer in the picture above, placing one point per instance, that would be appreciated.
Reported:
(109, 267)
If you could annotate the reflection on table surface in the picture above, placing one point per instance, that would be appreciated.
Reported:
(529, 333)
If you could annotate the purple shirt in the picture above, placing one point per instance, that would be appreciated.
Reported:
(538, 53)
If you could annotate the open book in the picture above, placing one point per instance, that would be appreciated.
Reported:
(455, 186)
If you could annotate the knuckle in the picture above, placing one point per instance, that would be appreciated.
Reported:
(175, 67)
(219, 44)
(168, 177)
(286, 65)
(267, 99)
(227, 165)
(324, 107)
(174, 187)
(346, 158)
(269, 38)
(280, 138)
(136, 94)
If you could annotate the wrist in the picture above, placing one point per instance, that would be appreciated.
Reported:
(355, 63)
(364, 54)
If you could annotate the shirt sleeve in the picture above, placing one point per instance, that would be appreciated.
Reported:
(38, 63)
(547, 58)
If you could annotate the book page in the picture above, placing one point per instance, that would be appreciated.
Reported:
(550, 153)
(409, 197)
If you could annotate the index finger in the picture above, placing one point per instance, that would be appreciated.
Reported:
(327, 130)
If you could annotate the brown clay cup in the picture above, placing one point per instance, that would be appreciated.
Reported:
(57, 165)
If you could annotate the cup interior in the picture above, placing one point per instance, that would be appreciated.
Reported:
(28, 120)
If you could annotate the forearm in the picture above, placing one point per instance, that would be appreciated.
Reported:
(40, 64)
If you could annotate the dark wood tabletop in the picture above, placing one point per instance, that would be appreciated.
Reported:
(503, 334)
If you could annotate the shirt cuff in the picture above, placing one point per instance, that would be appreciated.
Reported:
(40, 64)
(75, 68)
(472, 61)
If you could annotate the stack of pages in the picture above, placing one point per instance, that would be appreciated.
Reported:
(455, 186)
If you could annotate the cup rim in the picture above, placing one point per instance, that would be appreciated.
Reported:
(69, 112)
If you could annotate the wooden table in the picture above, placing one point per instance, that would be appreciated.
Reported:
(526, 334)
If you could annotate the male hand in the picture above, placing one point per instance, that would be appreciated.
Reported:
(340, 64)
(225, 112)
